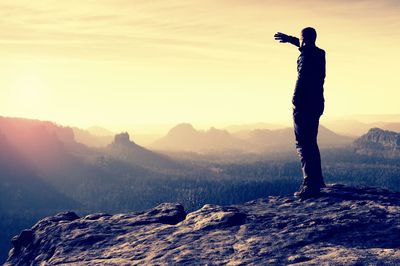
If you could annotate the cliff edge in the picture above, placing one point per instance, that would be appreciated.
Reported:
(344, 226)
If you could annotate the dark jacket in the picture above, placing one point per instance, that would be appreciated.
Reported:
(309, 91)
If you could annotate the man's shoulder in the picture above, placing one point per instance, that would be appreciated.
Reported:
(311, 50)
(319, 50)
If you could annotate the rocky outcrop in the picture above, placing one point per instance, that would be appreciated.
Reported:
(122, 139)
(124, 149)
(344, 226)
(379, 142)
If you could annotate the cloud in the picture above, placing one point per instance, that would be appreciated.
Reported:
(219, 29)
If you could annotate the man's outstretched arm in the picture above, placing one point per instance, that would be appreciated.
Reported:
(282, 37)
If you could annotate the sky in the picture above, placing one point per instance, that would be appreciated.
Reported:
(120, 63)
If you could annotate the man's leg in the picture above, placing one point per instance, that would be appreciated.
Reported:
(315, 170)
(306, 131)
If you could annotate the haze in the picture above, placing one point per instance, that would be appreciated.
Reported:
(119, 63)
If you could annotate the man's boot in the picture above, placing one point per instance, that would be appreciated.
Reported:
(310, 189)
(307, 192)
(320, 183)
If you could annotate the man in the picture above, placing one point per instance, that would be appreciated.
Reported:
(308, 106)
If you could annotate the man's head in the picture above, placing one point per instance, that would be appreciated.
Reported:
(308, 36)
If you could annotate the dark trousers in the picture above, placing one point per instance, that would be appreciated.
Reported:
(306, 131)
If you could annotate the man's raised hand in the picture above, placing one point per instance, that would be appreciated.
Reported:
(284, 38)
(281, 37)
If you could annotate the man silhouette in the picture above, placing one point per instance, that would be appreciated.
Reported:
(308, 106)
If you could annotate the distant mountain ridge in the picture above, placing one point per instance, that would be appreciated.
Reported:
(253, 126)
(379, 142)
(99, 131)
(264, 139)
(184, 137)
(351, 127)
(90, 139)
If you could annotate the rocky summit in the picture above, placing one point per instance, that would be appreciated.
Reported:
(379, 142)
(344, 226)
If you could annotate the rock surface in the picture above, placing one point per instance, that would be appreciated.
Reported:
(344, 226)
